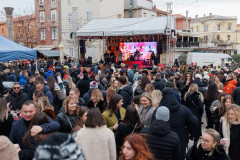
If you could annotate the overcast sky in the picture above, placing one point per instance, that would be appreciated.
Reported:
(199, 7)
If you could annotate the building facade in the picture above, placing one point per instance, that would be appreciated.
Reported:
(24, 30)
(217, 32)
(48, 20)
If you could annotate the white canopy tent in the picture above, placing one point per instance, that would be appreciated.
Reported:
(124, 27)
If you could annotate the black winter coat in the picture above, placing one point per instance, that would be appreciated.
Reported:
(66, 121)
(158, 84)
(236, 95)
(216, 118)
(163, 143)
(233, 149)
(101, 105)
(197, 153)
(83, 86)
(124, 130)
(6, 125)
(180, 117)
(17, 100)
(184, 88)
(127, 94)
(194, 104)
(87, 96)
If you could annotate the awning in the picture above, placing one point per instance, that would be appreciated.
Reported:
(124, 27)
(188, 34)
(51, 53)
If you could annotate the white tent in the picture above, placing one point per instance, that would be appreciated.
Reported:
(125, 27)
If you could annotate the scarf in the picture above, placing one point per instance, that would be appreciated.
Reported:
(226, 131)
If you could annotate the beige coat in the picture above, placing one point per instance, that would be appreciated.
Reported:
(97, 143)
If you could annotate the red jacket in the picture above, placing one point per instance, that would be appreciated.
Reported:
(229, 86)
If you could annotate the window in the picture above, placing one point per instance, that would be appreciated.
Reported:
(218, 37)
(205, 28)
(2, 31)
(54, 33)
(42, 34)
(42, 17)
(71, 49)
(144, 14)
(19, 29)
(69, 17)
(197, 29)
(69, 1)
(41, 1)
(205, 38)
(218, 27)
(229, 37)
(89, 16)
(53, 1)
(88, 0)
(229, 27)
(53, 15)
(28, 27)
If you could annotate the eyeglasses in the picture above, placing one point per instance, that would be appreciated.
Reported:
(16, 88)
(203, 140)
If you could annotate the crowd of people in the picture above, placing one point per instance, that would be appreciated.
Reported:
(108, 112)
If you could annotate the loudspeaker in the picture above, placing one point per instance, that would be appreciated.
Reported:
(160, 46)
(82, 46)
(89, 60)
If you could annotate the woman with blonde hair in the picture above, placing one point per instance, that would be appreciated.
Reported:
(207, 148)
(6, 119)
(45, 106)
(230, 131)
(193, 100)
(71, 84)
(156, 98)
(149, 88)
(96, 100)
(69, 116)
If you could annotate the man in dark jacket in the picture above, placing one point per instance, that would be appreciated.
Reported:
(17, 97)
(236, 95)
(75, 93)
(163, 143)
(158, 84)
(20, 127)
(126, 92)
(83, 85)
(11, 77)
(180, 117)
(46, 90)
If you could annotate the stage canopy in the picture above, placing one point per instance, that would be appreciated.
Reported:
(124, 27)
(10, 51)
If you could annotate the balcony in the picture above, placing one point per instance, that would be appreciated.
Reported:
(187, 44)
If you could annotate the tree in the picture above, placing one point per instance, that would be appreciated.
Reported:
(236, 58)
(182, 59)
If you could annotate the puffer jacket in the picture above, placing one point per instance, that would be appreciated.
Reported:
(230, 86)
(180, 117)
(163, 143)
(127, 94)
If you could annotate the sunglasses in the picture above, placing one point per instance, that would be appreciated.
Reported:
(16, 88)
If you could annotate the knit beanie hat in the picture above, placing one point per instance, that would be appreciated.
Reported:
(7, 149)
(162, 113)
(147, 95)
(93, 84)
(59, 146)
(169, 84)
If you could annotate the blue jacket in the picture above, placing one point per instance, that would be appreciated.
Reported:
(11, 77)
(19, 128)
(48, 94)
(49, 73)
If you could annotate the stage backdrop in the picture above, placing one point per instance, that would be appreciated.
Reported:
(145, 50)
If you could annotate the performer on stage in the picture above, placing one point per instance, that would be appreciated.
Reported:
(112, 57)
(153, 57)
(137, 55)
(120, 56)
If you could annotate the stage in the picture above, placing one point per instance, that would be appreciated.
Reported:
(139, 63)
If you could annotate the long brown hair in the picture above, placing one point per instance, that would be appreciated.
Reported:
(222, 108)
(38, 119)
(79, 123)
(112, 106)
(65, 104)
(3, 110)
(139, 145)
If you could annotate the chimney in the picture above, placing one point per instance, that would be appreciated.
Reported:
(196, 16)
(9, 11)
(210, 14)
